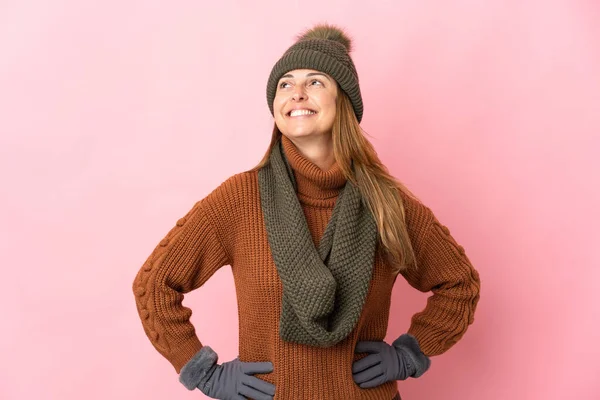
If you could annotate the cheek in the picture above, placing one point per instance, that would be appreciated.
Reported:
(330, 105)
(277, 108)
(277, 105)
(328, 100)
(331, 117)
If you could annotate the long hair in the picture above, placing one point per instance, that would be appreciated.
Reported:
(380, 189)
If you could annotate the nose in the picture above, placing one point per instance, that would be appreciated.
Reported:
(299, 93)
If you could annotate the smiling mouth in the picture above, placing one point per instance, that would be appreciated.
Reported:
(301, 113)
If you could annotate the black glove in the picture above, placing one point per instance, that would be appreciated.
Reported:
(398, 361)
(231, 380)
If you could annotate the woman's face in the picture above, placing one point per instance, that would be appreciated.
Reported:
(305, 103)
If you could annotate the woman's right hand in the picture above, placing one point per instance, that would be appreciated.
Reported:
(234, 379)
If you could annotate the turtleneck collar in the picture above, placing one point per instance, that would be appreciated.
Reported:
(314, 185)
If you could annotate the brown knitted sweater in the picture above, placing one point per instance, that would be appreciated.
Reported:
(227, 228)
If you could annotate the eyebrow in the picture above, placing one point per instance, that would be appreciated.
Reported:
(307, 75)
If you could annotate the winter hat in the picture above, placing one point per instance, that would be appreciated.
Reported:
(324, 48)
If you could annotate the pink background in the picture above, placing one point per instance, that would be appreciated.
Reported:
(116, 116)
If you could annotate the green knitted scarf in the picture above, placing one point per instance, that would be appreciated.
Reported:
(324, 289)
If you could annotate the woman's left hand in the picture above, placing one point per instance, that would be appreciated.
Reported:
(394, 362)
(384, 363)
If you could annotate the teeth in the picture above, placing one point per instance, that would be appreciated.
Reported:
(295, 113)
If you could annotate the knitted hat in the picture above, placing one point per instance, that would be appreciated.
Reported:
(324, 48)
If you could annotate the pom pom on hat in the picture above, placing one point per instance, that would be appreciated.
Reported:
(329, 32)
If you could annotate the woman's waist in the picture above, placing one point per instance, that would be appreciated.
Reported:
(315, 373)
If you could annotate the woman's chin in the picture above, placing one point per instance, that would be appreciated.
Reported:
(300, 133)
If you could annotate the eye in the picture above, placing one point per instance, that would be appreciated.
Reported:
(282, 85)
(316, 81)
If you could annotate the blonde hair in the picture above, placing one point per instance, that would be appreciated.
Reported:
(377, 186)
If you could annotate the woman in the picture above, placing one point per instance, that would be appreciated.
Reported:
(316, 235)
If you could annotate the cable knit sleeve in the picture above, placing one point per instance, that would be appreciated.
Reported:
(445, 270)
(184, 260)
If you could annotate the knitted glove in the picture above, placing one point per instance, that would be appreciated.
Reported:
(229, 381)
(398, 361)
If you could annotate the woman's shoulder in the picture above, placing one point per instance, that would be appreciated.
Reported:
(238, 181)
(417, 215)
(236, 191)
